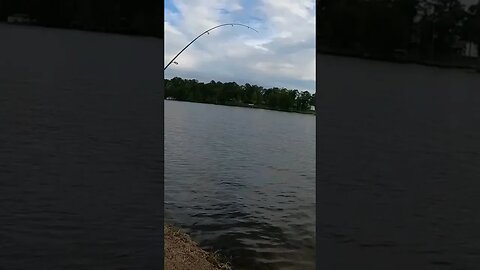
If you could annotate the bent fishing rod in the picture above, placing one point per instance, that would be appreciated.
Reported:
(207, 31)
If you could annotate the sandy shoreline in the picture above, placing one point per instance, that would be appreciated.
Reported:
(182, 253)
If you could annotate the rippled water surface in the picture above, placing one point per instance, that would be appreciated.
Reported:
(398, 166)
(242, 181)
(80, 150)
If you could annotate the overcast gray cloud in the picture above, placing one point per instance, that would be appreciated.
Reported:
(282, 54)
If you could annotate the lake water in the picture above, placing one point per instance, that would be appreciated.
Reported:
(398, 166)
(242, 181)
(80, 150)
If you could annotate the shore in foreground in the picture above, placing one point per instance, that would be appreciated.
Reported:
(182, 253)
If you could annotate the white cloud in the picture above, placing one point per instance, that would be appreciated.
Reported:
(282, 53)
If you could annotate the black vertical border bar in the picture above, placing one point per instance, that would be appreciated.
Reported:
(317, 142)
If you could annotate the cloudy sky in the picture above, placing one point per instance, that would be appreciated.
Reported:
(282, 54)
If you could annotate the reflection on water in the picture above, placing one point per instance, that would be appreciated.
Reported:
(243, 181)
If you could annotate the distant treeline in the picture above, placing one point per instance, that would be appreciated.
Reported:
(231, 93)
(426, 29)
(141, 17)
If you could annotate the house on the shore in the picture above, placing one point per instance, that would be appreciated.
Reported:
(20, 18)
(466, 48)
(471, 49)
(312, 108)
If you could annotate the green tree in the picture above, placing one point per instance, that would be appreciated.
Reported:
(234, 94)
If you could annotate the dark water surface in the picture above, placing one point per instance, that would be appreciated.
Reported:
(243, 181)
(398, 166)
(80, 150)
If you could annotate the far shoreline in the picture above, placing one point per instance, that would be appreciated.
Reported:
(76, 29)
(246, 106)
(425, 63)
